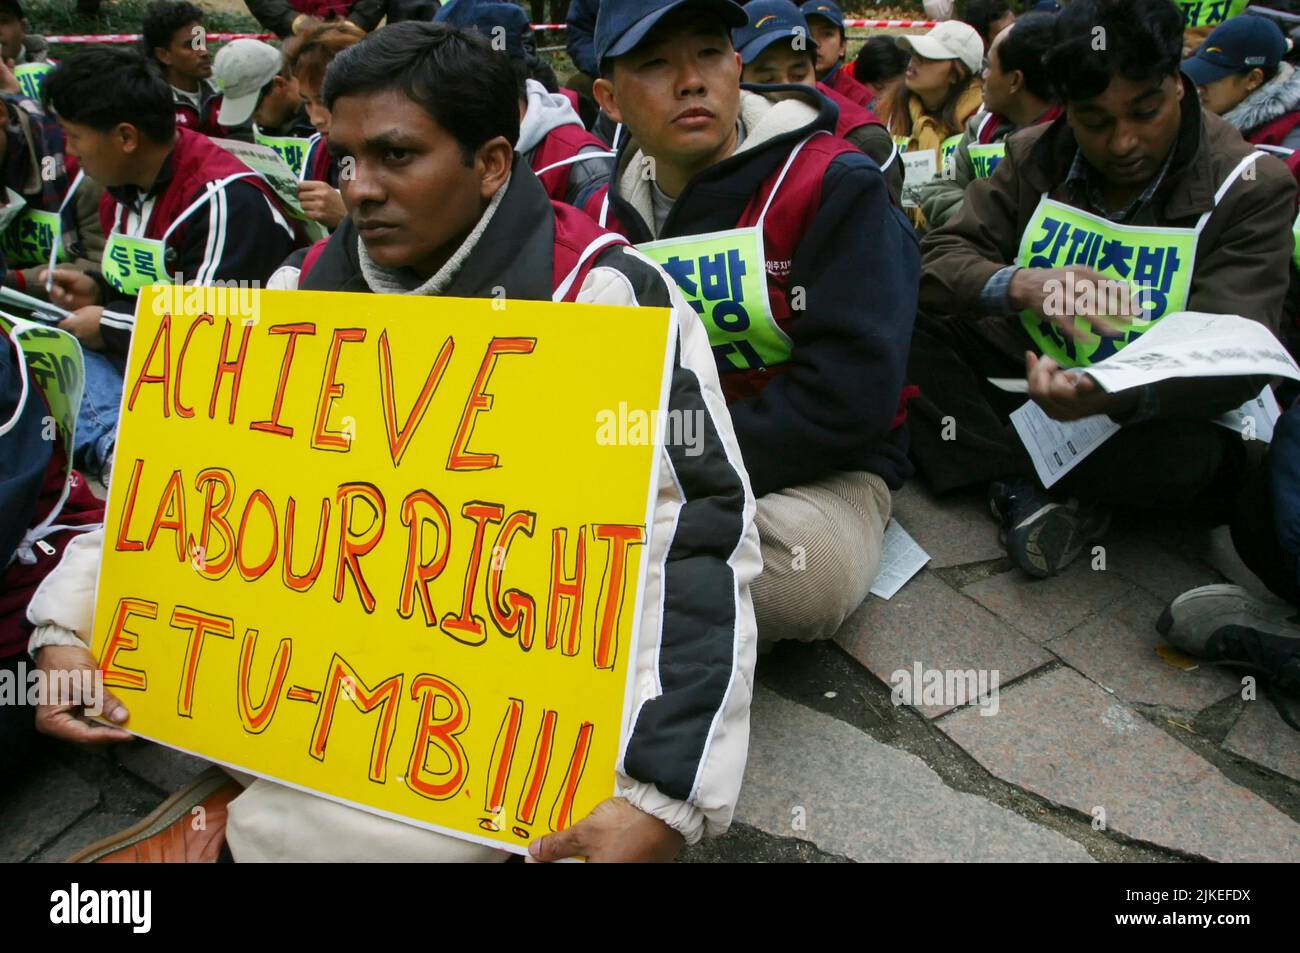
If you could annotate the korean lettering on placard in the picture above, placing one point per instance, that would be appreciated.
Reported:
(1148, 266)
(984, 165)
(1215, 12)
(28, 241)
(715, 281)
(129, 261)
(290, 152)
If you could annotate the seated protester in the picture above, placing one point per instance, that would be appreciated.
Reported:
(776, 49)
(569, 161)
(826, 21)
(177, 209)
(51, 208)
(44, 504)
(27, 54)
(286, 18)
(1017, 94)
(988, 18)
(940, 92)
(1230, 624)
(258, 86)
(464, 217)
(811, 365)
(880, 66)
(174, 40)
(1134, 161)
(309, 55)
(1241, 76)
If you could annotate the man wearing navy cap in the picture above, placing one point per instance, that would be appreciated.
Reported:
(776, 48)
(785, 241)
(1241, 77)
(826, 21)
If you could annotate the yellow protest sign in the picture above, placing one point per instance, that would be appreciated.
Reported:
(380, 548)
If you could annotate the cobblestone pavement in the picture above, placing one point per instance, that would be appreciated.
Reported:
(1099, 750)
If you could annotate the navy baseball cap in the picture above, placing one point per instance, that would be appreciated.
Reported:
(824, 9)
(769, 22)
(509, 18)
(1236, 46)
(621, 25)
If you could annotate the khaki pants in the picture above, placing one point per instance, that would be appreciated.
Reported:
(821, 551)
(271, 823)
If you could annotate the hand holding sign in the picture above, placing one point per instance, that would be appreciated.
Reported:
(1040, 290)
(614, 832)
(322, 202)
(83, 324)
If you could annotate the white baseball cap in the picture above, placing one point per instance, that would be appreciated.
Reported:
(240, 69)
(949, 40)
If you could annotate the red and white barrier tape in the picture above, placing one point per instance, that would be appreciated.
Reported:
(227, 37)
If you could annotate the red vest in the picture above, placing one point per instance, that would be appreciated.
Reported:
(195, 162)
(852, 116)
(324, 9)
(790, 216)
(843, 82)
(187, 117)
(561, 143)
(1272, 133)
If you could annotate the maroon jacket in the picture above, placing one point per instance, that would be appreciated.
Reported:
(203, 119)
(843, 83)
(565, 142)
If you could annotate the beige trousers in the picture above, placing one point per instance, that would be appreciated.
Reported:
(821, 551)
(271, 823)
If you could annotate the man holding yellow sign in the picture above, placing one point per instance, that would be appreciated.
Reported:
(519, 616)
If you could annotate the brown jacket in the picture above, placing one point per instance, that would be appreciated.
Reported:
(1242, 258)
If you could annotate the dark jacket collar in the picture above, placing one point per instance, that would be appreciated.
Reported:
(514, 253)
(1188, 188)
(132, 197)
(731, 182)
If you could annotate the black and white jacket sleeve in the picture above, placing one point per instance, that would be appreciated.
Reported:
(689, 733)
(239, 235)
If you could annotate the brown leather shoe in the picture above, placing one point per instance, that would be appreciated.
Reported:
(169, 834)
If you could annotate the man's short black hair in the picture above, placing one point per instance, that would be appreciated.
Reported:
(1097, 40)
(104, 86)
(163, 19)
(467, 87)
(1025, 47)
(14, 8)
(982, 14)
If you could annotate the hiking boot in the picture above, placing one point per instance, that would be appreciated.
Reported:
(187, 828)
(1043, 535)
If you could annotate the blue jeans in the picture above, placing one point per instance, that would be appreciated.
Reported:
(101, 403)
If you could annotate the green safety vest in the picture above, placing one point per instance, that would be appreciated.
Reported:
(292, 149)
(985, 156)
(724, 277)
(1155, 261)
(947, 149)
(131, 262)
(31, 78)
(1209, 12)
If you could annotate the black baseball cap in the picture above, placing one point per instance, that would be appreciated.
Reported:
(621, 25)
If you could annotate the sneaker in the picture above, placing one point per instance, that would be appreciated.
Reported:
(173, 833)
(1043, 535)
(1226, 623)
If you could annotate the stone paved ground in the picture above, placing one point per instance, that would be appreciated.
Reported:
(1100, 750)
